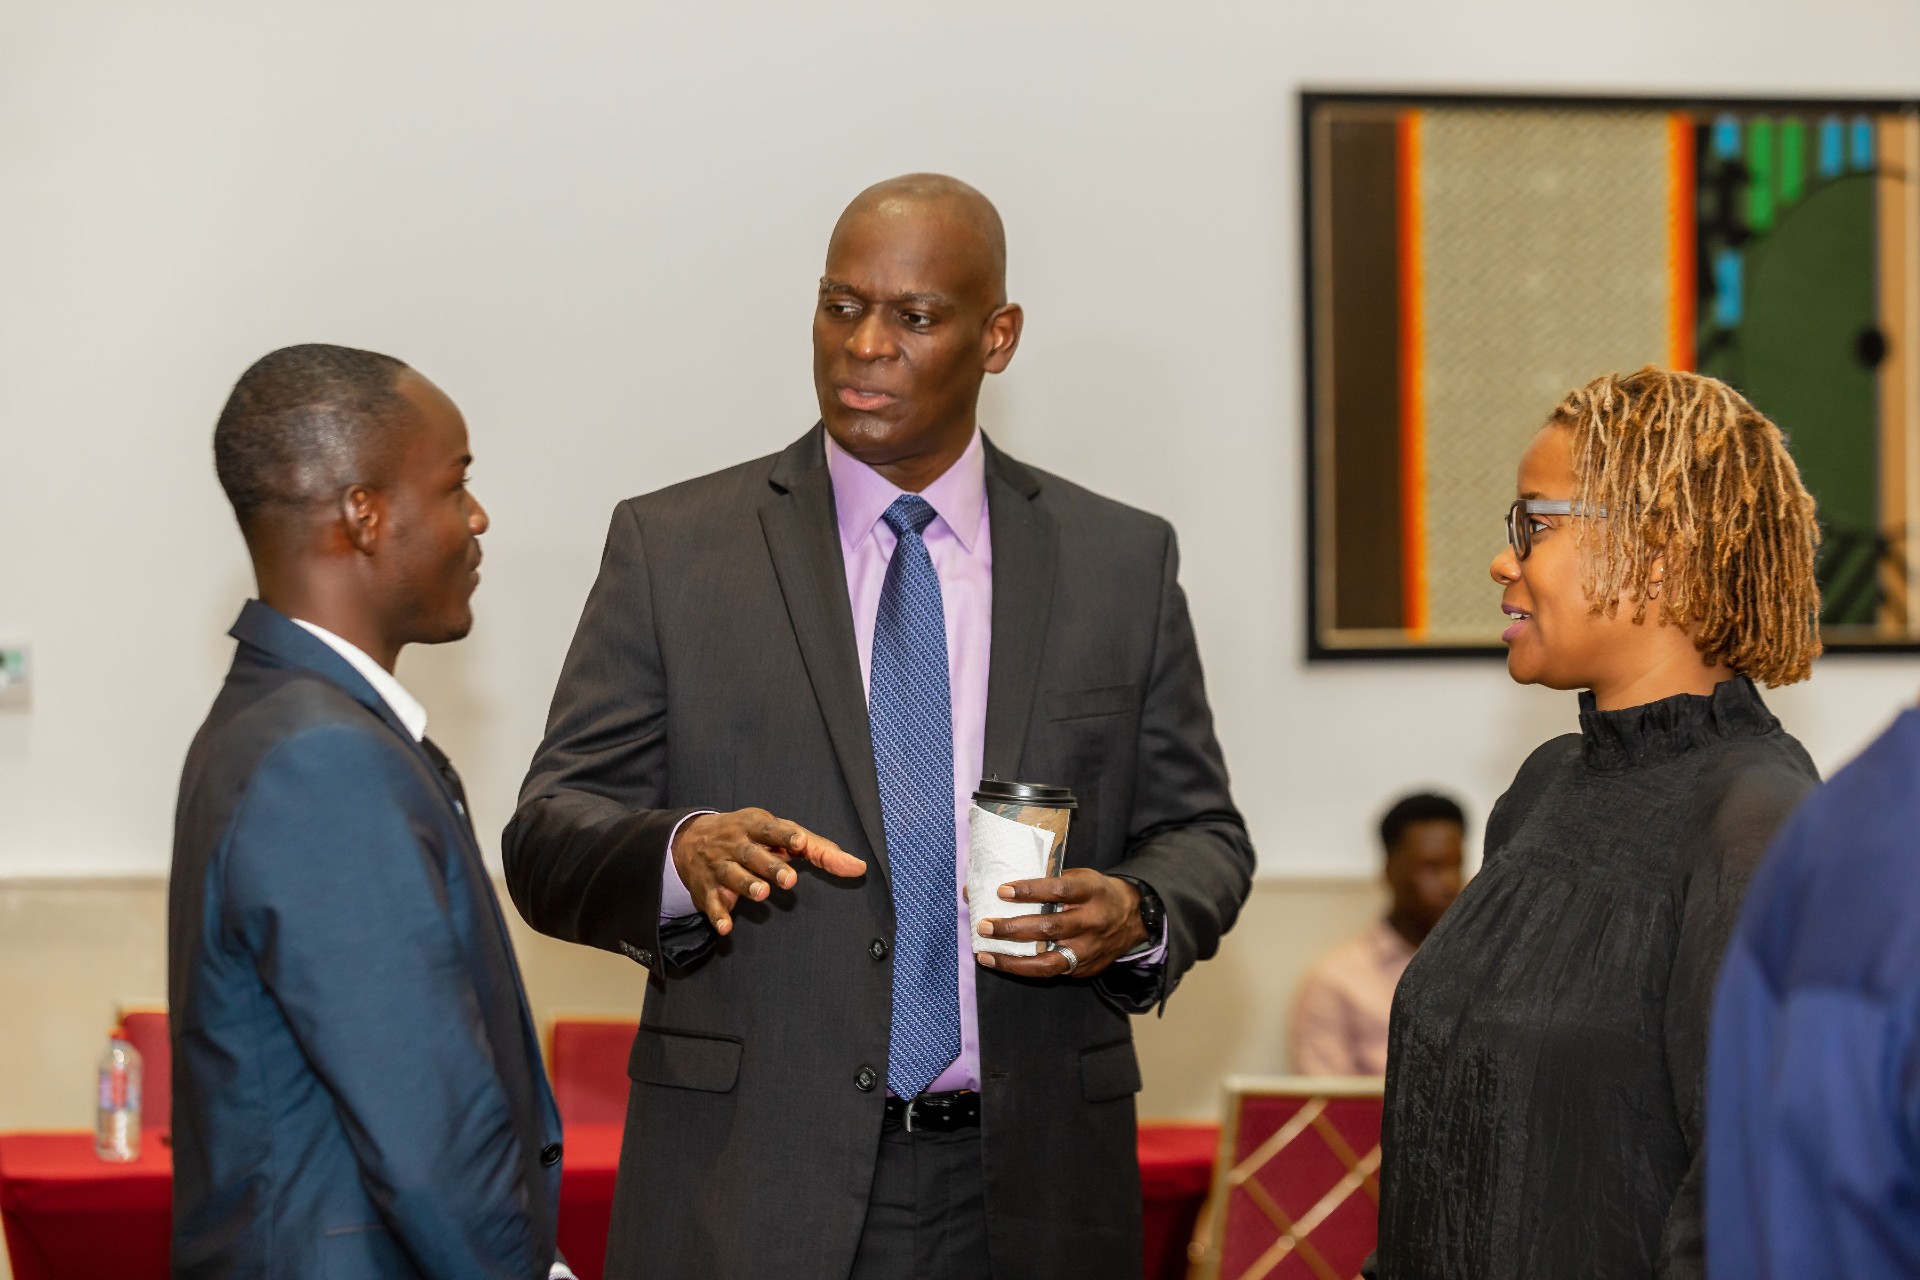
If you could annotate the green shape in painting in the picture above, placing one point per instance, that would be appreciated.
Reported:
(1793, 161)
(1760, 174)
(1810, 296)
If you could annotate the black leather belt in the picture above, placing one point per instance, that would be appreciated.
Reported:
(935, 1112)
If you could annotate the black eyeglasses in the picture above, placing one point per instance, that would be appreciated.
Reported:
(1520, 531)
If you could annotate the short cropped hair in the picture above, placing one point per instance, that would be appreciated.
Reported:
(304, 422)
(1423, 807)
(1689, 471)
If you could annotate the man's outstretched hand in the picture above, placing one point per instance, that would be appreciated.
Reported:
(724, 857)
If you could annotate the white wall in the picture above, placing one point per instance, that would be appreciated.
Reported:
(597, 226)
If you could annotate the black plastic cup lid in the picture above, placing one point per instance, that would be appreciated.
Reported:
(994, 791)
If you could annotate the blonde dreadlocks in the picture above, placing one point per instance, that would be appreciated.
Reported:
(1687, 470)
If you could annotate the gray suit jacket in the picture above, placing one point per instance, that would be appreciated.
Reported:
(715, 667)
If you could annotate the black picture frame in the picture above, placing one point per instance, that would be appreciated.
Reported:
(1310, 102)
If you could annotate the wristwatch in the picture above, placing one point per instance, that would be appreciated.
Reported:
(1153, 912)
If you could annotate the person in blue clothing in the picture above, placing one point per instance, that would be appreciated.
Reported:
(1813, 1089)
(357, 1085)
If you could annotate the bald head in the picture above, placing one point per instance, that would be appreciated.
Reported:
(962, 217)
(912, 314)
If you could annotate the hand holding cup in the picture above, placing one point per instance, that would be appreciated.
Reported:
(1097, 917)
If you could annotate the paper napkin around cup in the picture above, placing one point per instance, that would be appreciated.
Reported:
(1000, 850)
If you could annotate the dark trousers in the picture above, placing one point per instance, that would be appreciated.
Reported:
(927, 1213)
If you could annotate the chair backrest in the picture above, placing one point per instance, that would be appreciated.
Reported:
(145, 1027)
(1296, 1194)
(587, 1060)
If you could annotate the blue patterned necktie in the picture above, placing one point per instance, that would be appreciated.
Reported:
(912, 718)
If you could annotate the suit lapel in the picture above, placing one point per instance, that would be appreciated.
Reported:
(804, 543)
(1024, 553)
(279, 637)
(273, 633)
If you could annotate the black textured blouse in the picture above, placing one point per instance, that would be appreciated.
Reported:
(1548, 1043)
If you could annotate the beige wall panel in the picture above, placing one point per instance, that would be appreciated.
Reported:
(72, 951)
(1544, 239)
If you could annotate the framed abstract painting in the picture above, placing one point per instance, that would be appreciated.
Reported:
(1470, 259)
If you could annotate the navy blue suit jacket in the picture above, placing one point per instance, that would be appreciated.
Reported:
(357, 1081)
(1813, 1086)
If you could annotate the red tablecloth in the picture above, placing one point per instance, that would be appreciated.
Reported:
(1176, 1172)
(70, 1216)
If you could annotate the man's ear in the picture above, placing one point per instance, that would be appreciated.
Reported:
(1003, 336)
(363, 514)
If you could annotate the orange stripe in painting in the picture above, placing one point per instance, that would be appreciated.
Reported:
(1413, 507)
(1682, 255)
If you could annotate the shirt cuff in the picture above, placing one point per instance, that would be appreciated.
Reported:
(675, 900)
(1149, 953)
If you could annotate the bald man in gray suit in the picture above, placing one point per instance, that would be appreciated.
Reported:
(830, 647)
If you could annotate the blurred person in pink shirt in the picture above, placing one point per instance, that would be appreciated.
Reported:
(1340, 1017)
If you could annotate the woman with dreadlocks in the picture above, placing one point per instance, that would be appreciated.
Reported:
(1544, 1075)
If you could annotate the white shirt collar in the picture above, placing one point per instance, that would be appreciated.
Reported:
(404, 704)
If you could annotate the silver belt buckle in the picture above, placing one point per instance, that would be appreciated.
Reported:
(911, 1104)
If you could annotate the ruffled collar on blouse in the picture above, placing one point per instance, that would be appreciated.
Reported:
(1656, 732)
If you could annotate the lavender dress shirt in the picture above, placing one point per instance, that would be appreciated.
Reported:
(960, 544)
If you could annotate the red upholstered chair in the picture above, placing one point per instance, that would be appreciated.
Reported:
(587, 1060)
(145, 1028)
(1295, 1193)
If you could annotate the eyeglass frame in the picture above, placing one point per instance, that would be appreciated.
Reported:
(1520, 536)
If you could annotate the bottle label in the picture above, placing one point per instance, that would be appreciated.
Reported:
(117, 1092)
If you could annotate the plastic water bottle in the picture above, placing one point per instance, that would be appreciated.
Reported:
(116, 1133)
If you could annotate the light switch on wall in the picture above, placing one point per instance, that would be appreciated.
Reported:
(16, 677)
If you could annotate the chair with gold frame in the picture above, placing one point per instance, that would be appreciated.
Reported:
(1296, 1194)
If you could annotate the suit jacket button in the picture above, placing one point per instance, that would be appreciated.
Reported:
(550, 1154)
(877, 949)
(644, 956)
(864, 1079)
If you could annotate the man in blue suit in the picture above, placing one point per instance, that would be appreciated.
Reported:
(357, 1082)
(1813, 1085)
